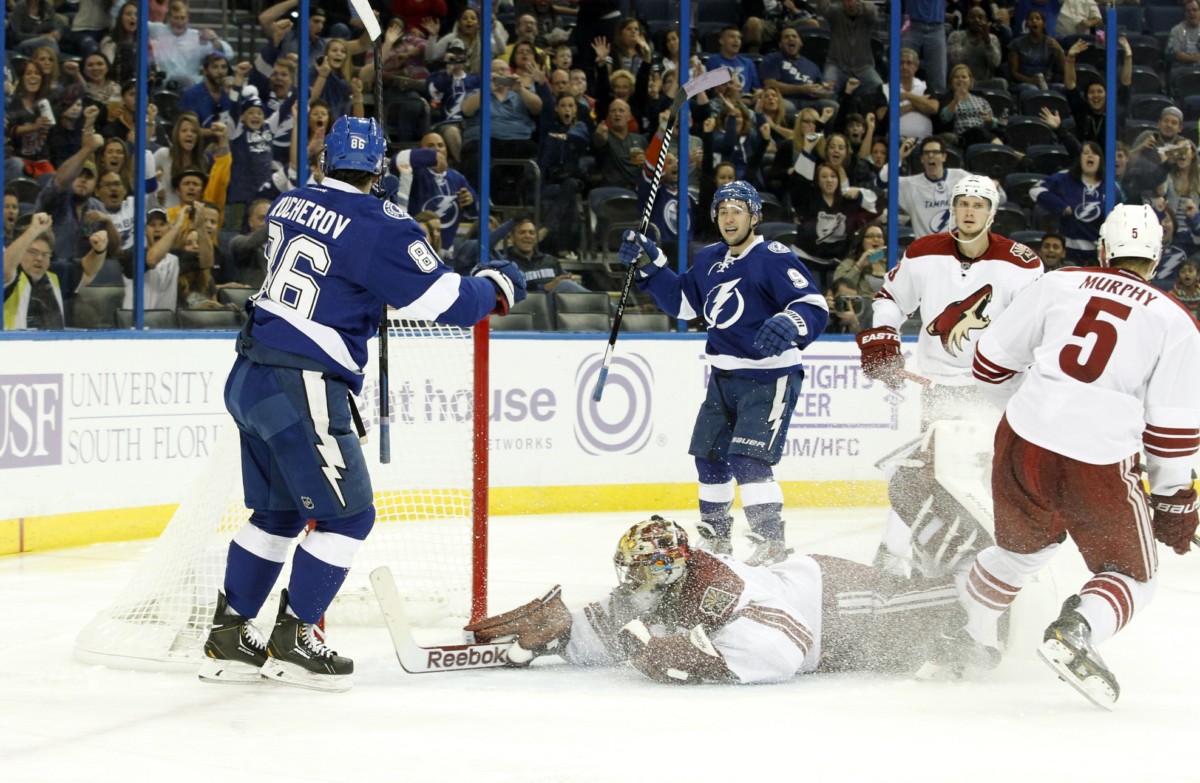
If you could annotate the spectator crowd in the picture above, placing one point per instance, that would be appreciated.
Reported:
(579, 97)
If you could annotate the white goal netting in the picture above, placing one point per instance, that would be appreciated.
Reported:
(423, 528)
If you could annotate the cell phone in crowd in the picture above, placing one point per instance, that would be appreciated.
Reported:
(876, 255)
(44, 110)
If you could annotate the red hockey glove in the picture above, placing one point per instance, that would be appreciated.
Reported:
(1175, 518)
(881, 359)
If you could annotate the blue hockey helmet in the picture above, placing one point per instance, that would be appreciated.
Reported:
(354, 143)
(739, 190)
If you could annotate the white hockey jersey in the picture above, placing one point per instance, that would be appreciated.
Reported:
(956, 297)
(1094, 363)
(927, 201)
(766, 622)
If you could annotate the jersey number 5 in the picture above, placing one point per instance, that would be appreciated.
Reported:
(286, 284)
(1071, 359)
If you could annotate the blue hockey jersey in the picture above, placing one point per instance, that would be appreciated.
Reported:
(735, 295)
(335, 256)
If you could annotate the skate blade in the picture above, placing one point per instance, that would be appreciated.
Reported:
(291, 674)
(1093, 687)
(229, 672)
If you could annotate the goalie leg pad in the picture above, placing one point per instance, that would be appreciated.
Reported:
(675, 660)
(540, 627)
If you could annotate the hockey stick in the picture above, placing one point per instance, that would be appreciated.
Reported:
(416, 659)
(371, 25)
(912, 376)
(691, 89)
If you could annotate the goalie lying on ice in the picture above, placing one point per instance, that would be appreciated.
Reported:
(684, 615)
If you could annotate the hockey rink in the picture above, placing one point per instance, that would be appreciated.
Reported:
(64, 721)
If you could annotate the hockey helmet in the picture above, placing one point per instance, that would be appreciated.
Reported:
(354, 143)
(980, 186)
(652, 554)
(1131, 231)
(739, 190)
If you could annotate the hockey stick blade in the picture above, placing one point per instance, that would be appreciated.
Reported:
(370, 23)
(416, 659)
(706, 81)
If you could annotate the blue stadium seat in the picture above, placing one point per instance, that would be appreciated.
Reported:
(1160, 19)
(1023, 131)
(1148, 107)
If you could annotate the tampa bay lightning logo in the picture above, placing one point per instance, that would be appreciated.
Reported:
(445, 207)
(670, 215)
(940, 223)
(1089, 211)
(724, 305)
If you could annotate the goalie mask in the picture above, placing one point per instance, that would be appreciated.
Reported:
(652, 554)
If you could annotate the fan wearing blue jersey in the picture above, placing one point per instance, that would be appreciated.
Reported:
(762, 307)
(336, 256)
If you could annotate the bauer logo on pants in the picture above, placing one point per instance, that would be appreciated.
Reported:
(621, 423)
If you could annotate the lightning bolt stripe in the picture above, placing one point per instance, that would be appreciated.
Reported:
(332, 461)
(777, 406)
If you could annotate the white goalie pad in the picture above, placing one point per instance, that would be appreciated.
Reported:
(962, 464)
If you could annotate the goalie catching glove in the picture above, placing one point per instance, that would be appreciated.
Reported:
(675, 660)
(1175, 518)
(508, 279)
(881, 359)
(540, 627)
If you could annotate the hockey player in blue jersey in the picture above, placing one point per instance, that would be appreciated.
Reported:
(336, 256)
(761, 307)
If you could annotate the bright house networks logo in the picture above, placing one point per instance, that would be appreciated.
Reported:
(621, 423)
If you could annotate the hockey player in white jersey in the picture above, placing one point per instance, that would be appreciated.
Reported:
(1091, 366)
(957, 282)
(683, 615)
(336, 257)
(927, 197)
(762, 308)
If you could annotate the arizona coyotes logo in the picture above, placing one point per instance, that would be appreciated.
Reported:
(956, 322)
(716, 602)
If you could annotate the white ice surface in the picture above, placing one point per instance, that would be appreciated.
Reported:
(63, 721)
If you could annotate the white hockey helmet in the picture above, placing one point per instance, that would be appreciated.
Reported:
(980, 186)
(1131, 231)
(652, 554)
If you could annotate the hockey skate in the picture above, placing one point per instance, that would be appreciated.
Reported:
(1067, 648)
(767, 551)
(235, 650)
(955, 655)
(712, 541)
(299, 656)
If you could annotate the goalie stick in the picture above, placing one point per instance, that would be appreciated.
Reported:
(418, 659)
(693, 87)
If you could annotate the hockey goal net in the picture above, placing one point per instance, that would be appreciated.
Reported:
(431, 513)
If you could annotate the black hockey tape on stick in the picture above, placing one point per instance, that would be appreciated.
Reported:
(691, 89)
